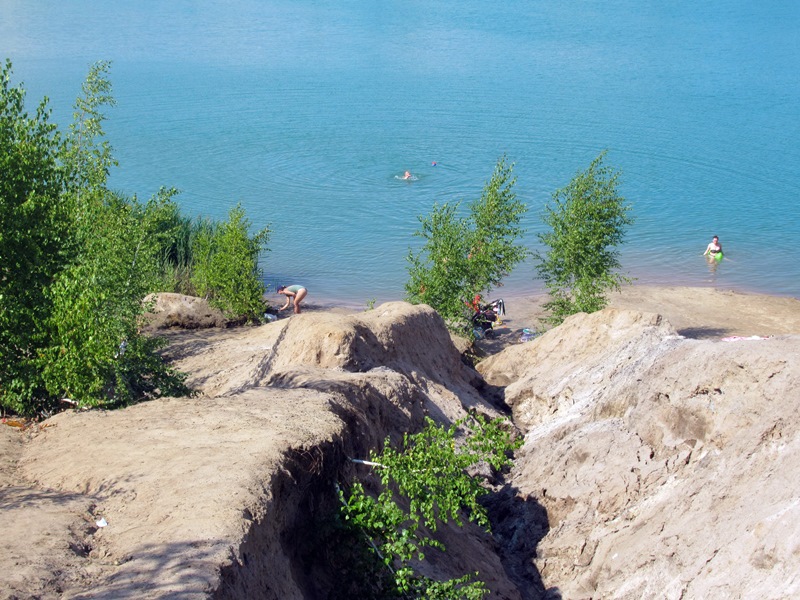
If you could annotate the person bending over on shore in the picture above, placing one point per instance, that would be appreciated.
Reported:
(294, 295)
(714, 247)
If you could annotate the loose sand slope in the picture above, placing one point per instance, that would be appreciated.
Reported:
(669, 467)
(219, 494)
(216, 495)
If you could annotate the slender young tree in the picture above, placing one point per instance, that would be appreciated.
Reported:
(469, 255)
(587, 219)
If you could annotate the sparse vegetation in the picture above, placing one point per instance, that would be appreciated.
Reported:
(423, 484)
(587, 219)
(465, 256)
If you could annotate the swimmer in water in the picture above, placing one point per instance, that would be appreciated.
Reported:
(407, 175)
(714, 247)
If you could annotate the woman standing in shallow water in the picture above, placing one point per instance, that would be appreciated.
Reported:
(294, 295)
(713, 248)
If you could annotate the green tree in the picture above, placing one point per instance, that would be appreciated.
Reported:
(465, 256)
(425, 483)
(75, 261)
(88, 155)
(97, 355)
(226, 266)
(587, 220)
(34, 228)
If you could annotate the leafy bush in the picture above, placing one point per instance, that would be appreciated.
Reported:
(425, 483)
(176, 235)
(465, 256)
(76, 262)
(587, 219)
(34, 226)
(98, 356)
(226, 267)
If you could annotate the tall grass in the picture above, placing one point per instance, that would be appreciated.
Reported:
(177, 235)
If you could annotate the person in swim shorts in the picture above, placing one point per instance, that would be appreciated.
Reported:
(294, 295)
(713, 248)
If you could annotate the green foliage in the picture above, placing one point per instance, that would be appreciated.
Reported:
(33, 230)
(98, 355)
(356, 569)
(176, 235)
(226, 268)
(76, 261)
(587, 221)
(202, 257)
(465, 256)
(87, 154)
(425, 483)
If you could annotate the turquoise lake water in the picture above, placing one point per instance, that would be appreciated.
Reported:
(307, 113)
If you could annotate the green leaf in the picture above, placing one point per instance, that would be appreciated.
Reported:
(428, 476)
(587, 220)
(465, 255)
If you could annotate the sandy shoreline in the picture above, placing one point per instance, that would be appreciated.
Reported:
(697, 312)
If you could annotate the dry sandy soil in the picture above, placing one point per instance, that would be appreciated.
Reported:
(695, 312)
(668, 466)
(159, 500)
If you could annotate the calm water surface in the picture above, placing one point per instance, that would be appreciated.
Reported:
(307, 113)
